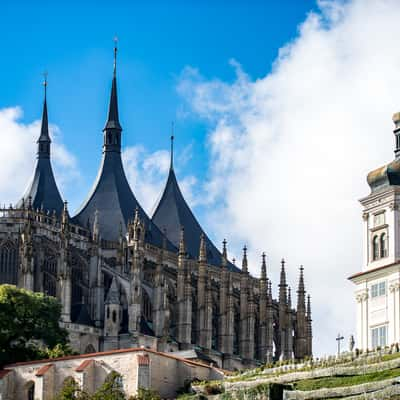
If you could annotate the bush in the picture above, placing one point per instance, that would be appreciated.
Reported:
(146, 394)
(211, 388)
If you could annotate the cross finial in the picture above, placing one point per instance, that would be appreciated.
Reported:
(172, 145)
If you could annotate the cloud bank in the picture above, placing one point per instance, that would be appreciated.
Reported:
(289, 152)
(18, 155)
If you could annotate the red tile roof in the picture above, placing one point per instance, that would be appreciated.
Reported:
(82, 366)
(143, 359)
(112, 352)
(3, 373)
(43, 370)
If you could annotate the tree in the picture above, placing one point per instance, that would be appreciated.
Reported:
(29, 326)
(111, 388)
(71, 391)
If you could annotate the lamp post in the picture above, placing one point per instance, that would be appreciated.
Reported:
(339, 339)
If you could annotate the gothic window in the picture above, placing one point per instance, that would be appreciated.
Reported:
(79, 278)
(8, 263)
(49, 284)
(114, 316)
(383, 245)
(108, 312)
(375, 248)
(147, 307)
(215, 326)
(236, 331)
(49, 269)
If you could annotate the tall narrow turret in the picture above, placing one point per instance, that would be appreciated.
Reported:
(42, 191)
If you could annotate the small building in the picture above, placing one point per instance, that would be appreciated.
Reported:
(165, 373)
(377, 285)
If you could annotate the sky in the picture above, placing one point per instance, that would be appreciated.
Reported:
(280, 108)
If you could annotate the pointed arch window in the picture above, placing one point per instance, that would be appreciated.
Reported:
(375, 248)
(383, 245)
(8, 263)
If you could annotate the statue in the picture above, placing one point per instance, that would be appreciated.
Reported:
(351, 343)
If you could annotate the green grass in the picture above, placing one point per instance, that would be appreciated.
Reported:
(341, 381)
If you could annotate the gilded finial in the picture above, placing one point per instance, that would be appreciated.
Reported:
(45, 74)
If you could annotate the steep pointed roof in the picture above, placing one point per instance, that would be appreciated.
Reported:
(113, 293)
(42, 188)
(111, 195)
(172, 213)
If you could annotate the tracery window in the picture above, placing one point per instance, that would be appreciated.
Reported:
(215, 327)
(49, 269)
(8, 263)
(236, 331)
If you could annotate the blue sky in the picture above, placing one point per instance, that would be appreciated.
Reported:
(73, 42)
(279, 141)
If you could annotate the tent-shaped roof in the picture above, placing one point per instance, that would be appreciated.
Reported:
(172, 213)
(42, 191)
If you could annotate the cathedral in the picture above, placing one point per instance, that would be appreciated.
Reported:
(126, 279)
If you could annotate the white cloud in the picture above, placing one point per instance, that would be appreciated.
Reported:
(290, 151)
(18, 154)
(147, 174)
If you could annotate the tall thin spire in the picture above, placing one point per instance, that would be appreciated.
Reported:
(182, 247)
(244, 261)
(112, 130)
(309, 307)
(263, 267)
(44, 141)
(203, 250)
(224, 258)
(282, 284)
(171, 165)
(301, 300)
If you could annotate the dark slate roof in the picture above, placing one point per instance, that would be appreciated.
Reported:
(173, 213)
(43, 188)
(112, 197)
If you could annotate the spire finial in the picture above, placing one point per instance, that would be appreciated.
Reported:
(115, 54)
(224, 254)
(45, 74)
(263, 267)
(172, 146)
(203, 250)
(182, 250)
(244, 262)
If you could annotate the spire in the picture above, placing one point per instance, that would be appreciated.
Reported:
(43, 150)
(309, 307)
(224, 259)
(96, 226)
(289, 298)
(65, 217)
(112, 130)
(244, 261)
(282, 284)
(171, 164)
(182, 250)
(202, 251)
(113, 293)
(263, 267)
(301, 301)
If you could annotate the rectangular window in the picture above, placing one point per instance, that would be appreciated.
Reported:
(379, 336)
(378, 289)
(379, 219)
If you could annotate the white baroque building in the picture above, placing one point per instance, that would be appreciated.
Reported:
(377, 285)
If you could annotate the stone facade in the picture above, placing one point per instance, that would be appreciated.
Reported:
(138, 368)
(127, 280)
(377, 285)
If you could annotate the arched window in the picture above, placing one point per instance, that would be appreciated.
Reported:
(114, 316)
(236, 331)
(375, 248)
(30, 390)
(215, 326)
(147, 307)
(8, 263)
(383, 245)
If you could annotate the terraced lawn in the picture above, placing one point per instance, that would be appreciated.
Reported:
(341, 381)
